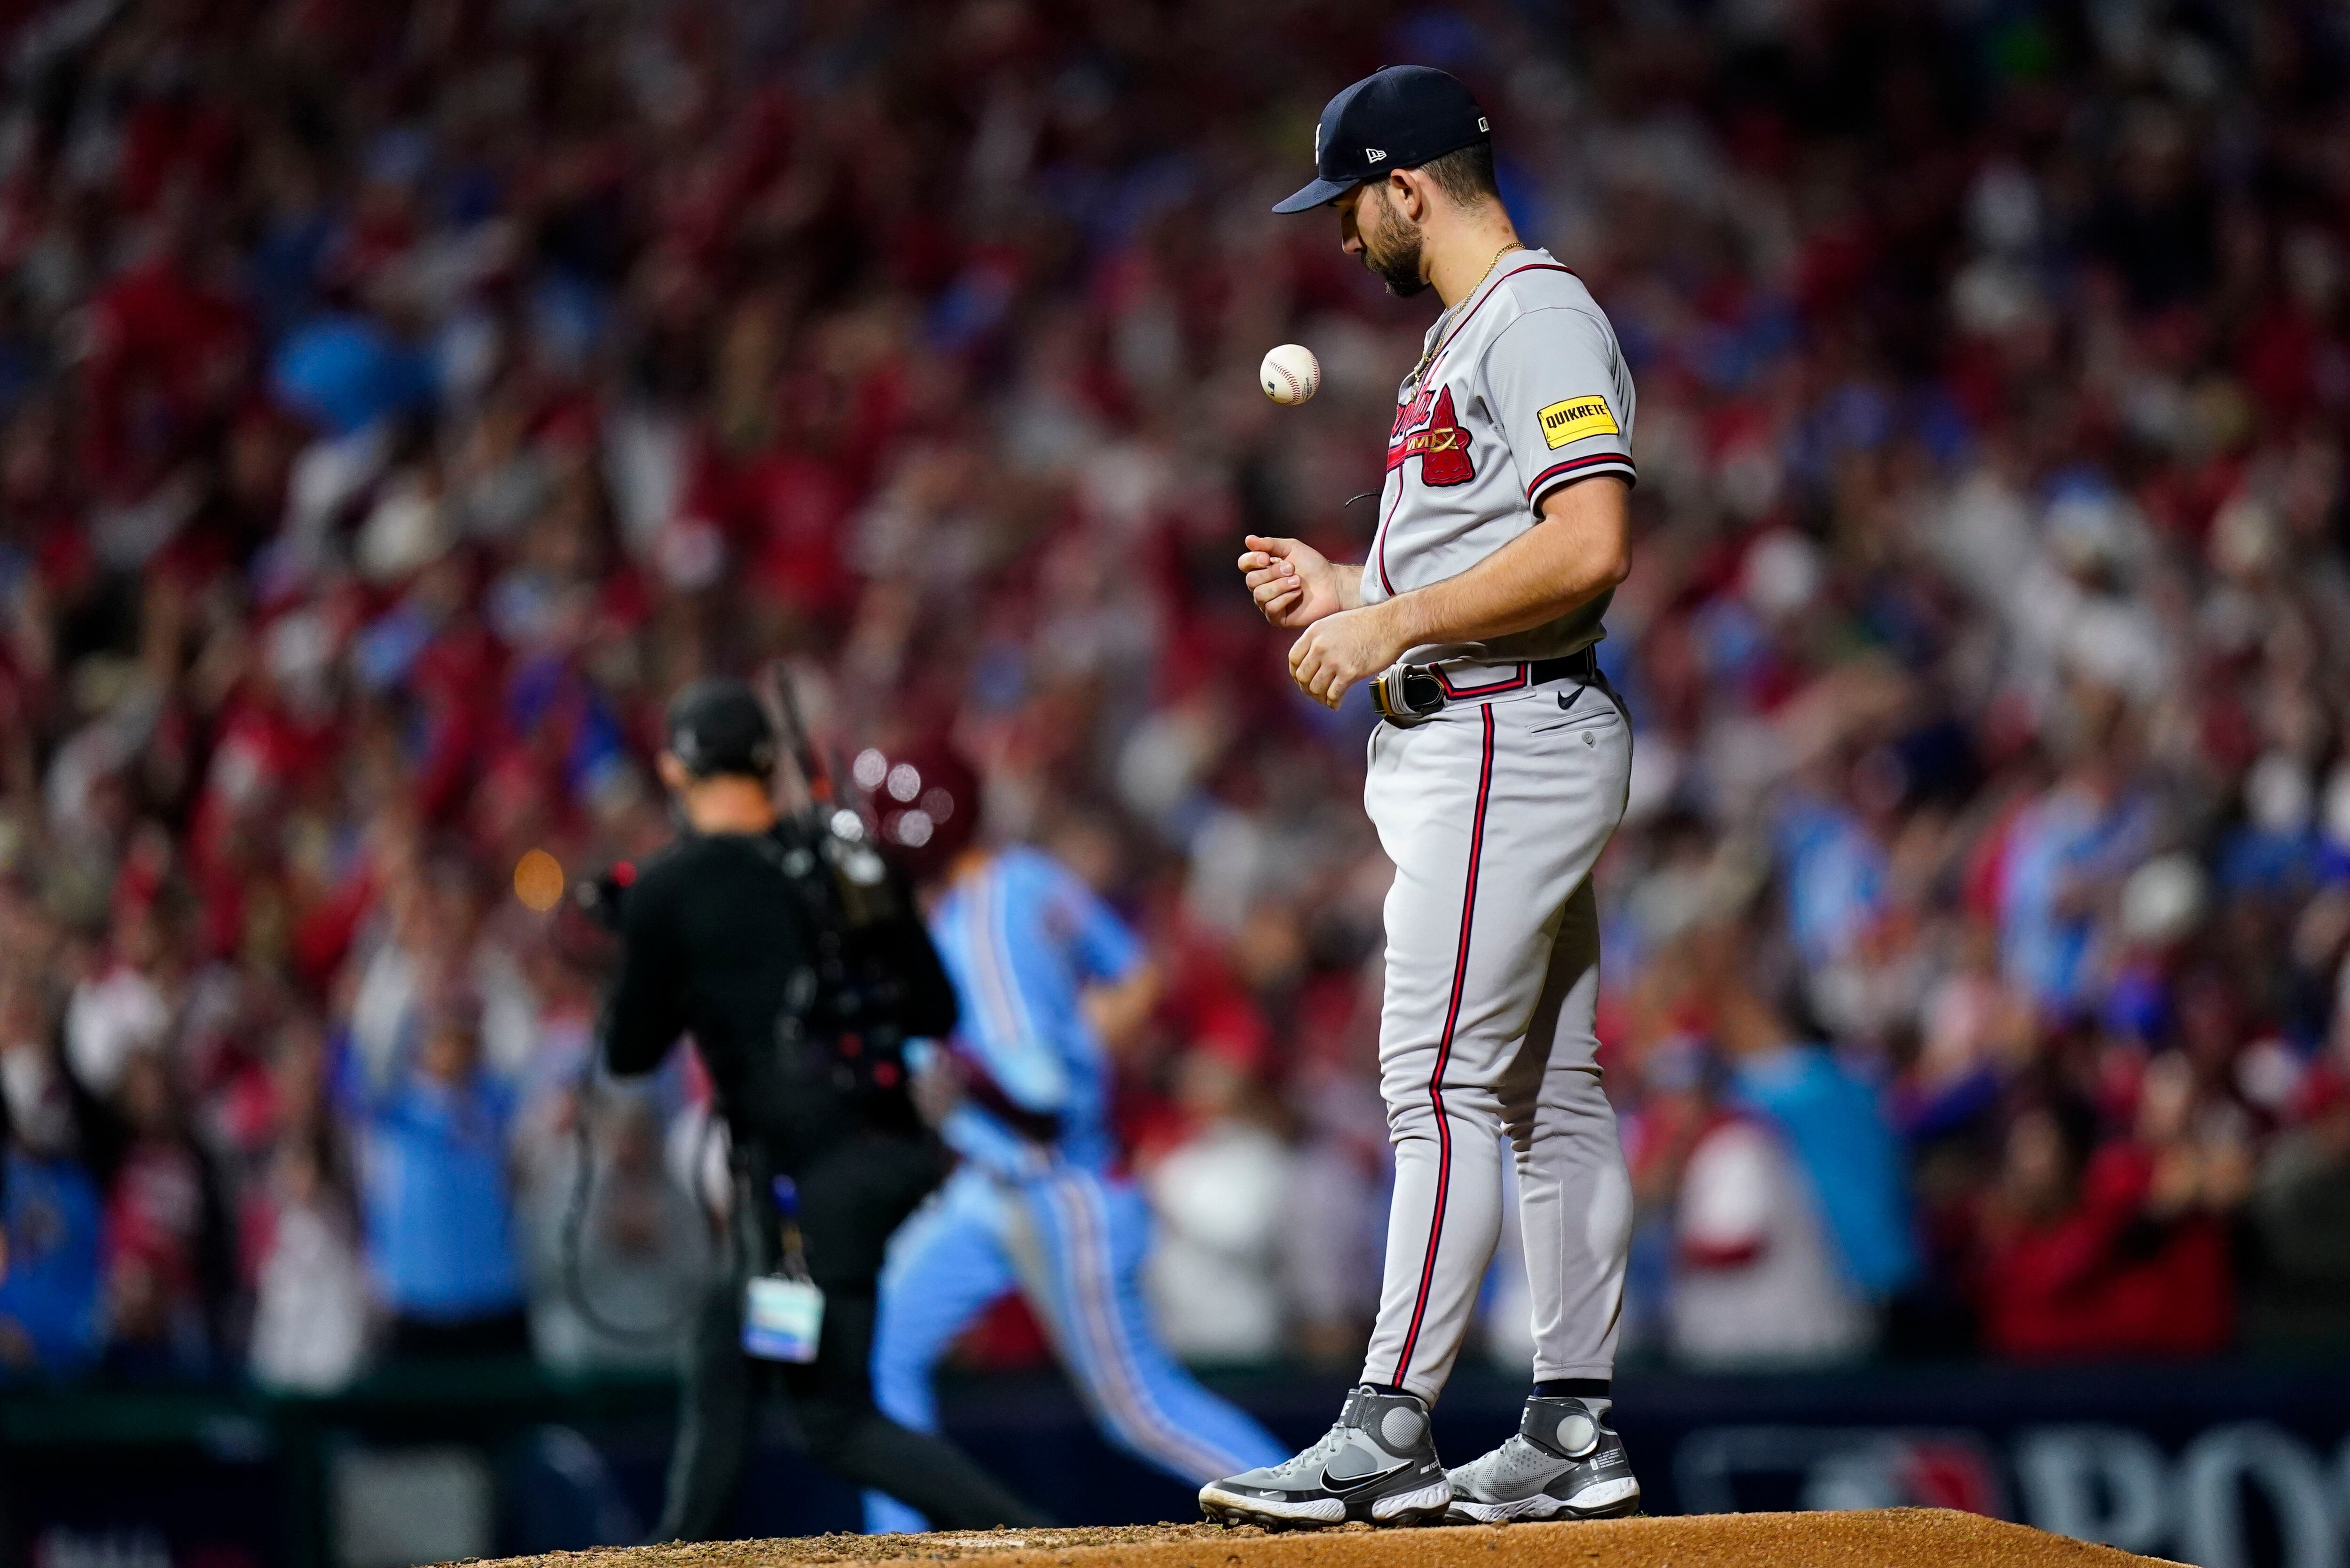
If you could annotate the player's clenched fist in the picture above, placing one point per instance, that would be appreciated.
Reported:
(1295, 584)
(1340, 649)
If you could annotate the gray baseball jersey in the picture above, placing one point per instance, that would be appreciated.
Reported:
(1520, 389)
(1495, 810)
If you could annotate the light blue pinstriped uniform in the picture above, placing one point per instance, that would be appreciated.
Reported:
(1021, 938)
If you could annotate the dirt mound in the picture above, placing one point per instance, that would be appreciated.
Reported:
(1911, 1537)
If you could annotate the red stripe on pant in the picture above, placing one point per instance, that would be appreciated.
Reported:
(1444, 1054)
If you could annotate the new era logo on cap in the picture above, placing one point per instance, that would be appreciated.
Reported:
(1402, 115)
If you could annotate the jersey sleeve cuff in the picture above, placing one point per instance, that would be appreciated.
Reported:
(1584, 467)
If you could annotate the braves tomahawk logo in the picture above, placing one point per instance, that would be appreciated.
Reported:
(1425, 428)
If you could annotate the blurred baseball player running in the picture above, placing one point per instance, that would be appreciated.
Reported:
(1043, 968)
(1496, 777)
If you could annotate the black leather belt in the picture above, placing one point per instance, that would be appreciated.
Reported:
(1411, 691)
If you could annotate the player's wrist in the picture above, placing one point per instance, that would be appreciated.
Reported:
(1402, 623)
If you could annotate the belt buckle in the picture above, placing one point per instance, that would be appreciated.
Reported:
(1391, 694)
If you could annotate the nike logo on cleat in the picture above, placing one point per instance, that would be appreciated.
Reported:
(1338, 1488)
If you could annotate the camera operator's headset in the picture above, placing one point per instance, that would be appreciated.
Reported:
(718, 726)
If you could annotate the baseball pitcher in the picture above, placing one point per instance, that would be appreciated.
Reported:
(1496, 774)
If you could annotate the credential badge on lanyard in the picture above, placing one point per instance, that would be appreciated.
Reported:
(783, 1313)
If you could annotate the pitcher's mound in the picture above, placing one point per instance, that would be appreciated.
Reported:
(1907, 1537)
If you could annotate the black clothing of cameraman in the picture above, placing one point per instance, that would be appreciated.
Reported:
(732, 934)
(721, 930)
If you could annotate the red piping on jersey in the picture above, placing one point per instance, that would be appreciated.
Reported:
(1589, 460)
(1438, 357)
(1444, 1055)
(1491, 688)
(1379, 544)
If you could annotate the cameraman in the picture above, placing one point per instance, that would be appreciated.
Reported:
(737, 935)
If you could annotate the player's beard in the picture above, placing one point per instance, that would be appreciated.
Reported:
(1391, 247)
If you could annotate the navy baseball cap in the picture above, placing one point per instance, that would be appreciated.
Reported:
(1400, 117)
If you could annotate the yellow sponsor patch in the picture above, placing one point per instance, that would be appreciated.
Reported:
(1576, 418)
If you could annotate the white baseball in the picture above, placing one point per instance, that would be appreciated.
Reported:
(1290, 374)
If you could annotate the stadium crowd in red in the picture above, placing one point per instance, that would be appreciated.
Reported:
(401, 400)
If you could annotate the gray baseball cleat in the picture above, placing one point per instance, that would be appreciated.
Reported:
(1563, 1462)
(1377, 1465)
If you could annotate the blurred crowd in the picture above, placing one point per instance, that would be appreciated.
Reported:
(398, 401)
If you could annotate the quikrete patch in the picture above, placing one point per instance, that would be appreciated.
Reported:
(1576, 418)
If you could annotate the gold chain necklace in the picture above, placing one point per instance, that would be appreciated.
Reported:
(1438, 338)
(1505, 250)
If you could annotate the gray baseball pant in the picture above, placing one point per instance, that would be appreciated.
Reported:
(1494, 813)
